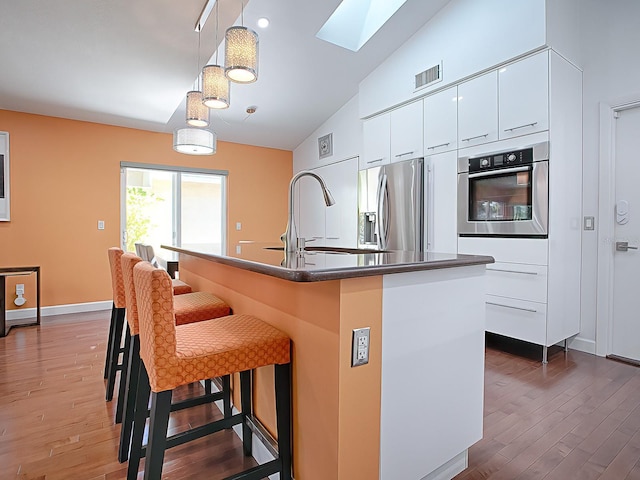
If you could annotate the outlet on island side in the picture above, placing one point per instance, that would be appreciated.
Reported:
(360, 346)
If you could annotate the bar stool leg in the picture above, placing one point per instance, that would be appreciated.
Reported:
(139, 421)
(245, 402)
(283, 414)
(158, 425)
(226, 400)
(115, 352)
(123, 375)
(107, 359)
(133, 372)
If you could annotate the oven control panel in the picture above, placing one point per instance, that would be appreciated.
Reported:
(501, 160)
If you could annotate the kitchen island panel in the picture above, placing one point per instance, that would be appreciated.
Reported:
(336, 409)
(433, 371)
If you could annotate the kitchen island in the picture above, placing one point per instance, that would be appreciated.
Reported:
(416, 407)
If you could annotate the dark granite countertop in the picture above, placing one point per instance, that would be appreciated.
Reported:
(317, 264)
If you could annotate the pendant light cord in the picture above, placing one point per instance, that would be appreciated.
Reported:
(217, 18)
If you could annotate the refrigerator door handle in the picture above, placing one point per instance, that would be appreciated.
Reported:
(383, 206)
(428, 210)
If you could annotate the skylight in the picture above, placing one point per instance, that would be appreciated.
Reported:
(354, 22)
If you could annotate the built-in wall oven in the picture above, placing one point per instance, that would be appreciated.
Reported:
(504, 193)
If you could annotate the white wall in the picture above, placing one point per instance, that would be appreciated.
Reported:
(346, 127)
(467, 36)
(609, 56)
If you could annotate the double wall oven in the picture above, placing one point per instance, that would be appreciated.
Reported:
(505, 193)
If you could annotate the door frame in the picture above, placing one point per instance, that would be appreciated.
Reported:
(606, 232)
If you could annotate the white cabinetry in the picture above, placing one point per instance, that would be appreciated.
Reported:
(406, 132)
(440, 209)
(523, 94)
(478, 110)
(377, 141)
(337, 225)
(441, 121)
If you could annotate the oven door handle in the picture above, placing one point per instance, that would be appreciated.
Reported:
(501, 171)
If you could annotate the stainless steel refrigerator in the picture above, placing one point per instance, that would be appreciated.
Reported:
(390, 206)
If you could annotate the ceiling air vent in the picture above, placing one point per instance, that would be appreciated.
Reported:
(429, 76)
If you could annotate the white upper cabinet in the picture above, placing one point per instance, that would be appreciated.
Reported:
(337, 225)
(377, 141)
(341, 219)
(407, 132)
(441, 121)
(524, 96)
(478, 110)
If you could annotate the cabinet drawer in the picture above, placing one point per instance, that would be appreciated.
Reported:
(519, 281)
(517, 319)
(532, 251)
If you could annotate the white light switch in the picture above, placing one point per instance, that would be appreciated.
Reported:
(100, 224)
(238, 226)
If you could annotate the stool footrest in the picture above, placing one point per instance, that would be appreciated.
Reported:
(199, 432)
(259, 472)
(201, 400)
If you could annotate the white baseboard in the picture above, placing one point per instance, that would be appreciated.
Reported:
(59, 310)
(450, 469)
(583, 345)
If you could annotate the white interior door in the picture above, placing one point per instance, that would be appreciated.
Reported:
(625, 324)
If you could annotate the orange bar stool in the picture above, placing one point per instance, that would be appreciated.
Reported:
(189, 308)
(113, 365)
(174, 356)
(114, 344)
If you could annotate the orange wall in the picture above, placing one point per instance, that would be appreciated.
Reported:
(65, 176)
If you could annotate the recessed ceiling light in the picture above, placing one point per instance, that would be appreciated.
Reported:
(263, 22)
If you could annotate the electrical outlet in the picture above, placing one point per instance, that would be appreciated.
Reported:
(360, 346)
(100, 224)
(20, 289)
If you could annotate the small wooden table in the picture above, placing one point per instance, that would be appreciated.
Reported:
(10, 272)
(169, 261)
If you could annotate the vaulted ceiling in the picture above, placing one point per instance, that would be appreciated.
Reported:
(131, 62)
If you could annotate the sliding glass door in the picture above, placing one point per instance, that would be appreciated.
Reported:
(172, 206)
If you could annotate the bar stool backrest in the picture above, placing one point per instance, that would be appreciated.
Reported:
(154, 294)
(129, 260)
(117, 282)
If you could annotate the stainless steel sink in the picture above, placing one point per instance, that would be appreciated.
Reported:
(342, 250)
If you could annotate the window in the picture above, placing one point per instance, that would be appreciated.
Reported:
(173, 206)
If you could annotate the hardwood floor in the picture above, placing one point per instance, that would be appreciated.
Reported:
(55, 423)
(576, 418)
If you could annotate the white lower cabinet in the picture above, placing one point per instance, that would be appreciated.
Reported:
(517, 286)
(517, 319)
(335, 226)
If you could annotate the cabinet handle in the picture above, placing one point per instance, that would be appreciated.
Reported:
(521, 126)
(473, 138)
(314, 238)
(437, 146)
(376, 160)
(333, 238)
(512, 271)
(403, 154)
(515, 308)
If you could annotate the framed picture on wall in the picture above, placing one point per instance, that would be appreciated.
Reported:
(4, 177)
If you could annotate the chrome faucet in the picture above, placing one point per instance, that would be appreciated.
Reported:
(292, 242)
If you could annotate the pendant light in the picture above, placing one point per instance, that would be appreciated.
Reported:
(241, 53)
(215, 86)
(196, 112)
(194, 141)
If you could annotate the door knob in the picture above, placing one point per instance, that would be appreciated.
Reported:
(624, 246)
